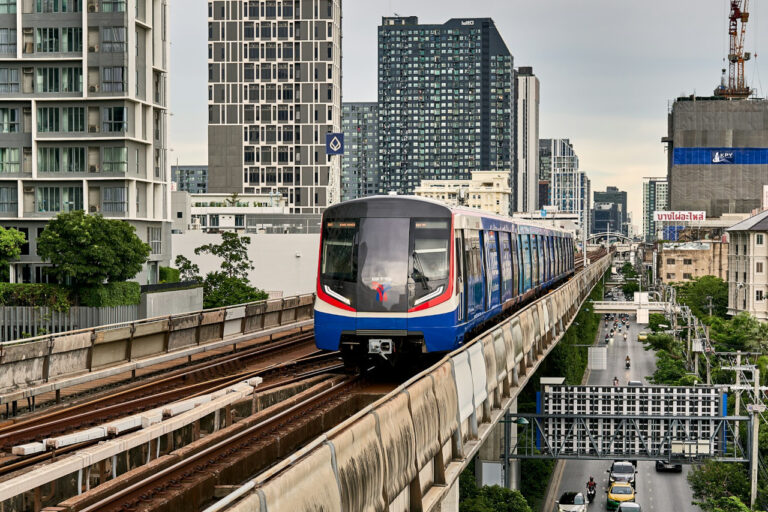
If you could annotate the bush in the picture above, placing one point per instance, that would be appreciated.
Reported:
(34, 295)
(169, 275)
(111, 294)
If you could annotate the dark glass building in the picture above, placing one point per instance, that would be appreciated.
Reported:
(445, 101)
(190, 178)
(607, 217)
(615, 196)
(359, 167)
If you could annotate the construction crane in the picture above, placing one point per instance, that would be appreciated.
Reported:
(737, 24)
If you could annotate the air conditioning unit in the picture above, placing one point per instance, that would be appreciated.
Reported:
(28, 30)
(27, 71)
(93, 88)
(29, 190)
(94, 48)
(93, 168)
(92, 128)
(93, 7)
(93, 209)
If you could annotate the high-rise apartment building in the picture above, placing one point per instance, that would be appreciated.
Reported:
(359, 168)
(445, 101)
(527, 165)
(571, 188)
(655, 198)
(274, 92)
(717, 151)
(618, 197)
(190, 178)
(545, 172)
(83, 125)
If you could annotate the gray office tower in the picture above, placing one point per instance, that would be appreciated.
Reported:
(445, 101)
(274, 92)
(83, 120)
(717, 154)
(359, 167)
(618, 197)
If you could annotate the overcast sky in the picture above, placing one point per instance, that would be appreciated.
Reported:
(609, 69)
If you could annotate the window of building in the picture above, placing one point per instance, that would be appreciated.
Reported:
(73, 159)
(72, 80)
(48, 160)
(758, 294)
(154, 239)
(179, 215)
(9, 78)
(687, 276)
(759, 267)
(48, 119)
(670, 261)
(113, 5)
(73, 119)
(8, 199)
(71, 39)
(115, 199)
(214, 221)
(48, 79)
(58, 6)
(9, 120)
(113, 39)
(115, 160)
(759, 239)
(115, 119)
(8, 40)
(7, 6)
(670, 276)
(687, 261)
(46, 40)
(113, 79)
(239, 221)
(10, 160)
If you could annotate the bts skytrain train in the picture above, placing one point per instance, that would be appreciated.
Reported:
(400, 276)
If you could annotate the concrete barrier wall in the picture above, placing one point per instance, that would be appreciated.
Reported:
(26, 365)
(386, 457)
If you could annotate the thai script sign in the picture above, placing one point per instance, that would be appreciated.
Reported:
(679, 216)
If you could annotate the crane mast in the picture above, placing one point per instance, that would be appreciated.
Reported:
(737, 25)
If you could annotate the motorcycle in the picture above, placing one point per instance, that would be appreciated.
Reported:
(627, 364)
(591, 494)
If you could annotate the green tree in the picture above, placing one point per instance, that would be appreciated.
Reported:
(714, 480)
(661, 342)
(227, 286)
(742, 332)
(89, 249)
(696, 295)
(655, 321)
(11, 241)
(629, 289)
(628, 270)
(670, 370)
(729, 504)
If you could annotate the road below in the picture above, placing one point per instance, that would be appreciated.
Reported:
(656, 492)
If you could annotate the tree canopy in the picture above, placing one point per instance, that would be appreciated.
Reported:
(714, 483)
(90, 250)
(11, 241)
(696, 295)
(742, 332)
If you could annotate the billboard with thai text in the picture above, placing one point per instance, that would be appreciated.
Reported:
(679, 216)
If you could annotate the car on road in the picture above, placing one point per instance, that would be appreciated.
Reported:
(663, 465)
(622, 471)
(628, 506)
(571, 501)
(618, 493)
(642, 336)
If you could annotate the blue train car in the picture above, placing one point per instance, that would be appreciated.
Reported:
(399, 276)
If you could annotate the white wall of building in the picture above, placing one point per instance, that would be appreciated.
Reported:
(527, 186)
(284, 264)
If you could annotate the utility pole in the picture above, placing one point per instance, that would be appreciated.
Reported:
(755, 416)
(737, 406)
(709, 304)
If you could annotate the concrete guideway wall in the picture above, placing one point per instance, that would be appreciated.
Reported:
(48, 363)
(387, 456)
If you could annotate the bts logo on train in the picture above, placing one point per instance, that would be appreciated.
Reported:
(399, 277)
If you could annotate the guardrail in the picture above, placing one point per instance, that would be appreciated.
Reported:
(48, 363)
(406, 450)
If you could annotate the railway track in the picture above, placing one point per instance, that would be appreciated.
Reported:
(166, 489)
(199, 379)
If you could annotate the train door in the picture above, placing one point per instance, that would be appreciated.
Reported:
(535, 275)
(460, 274)
(507, 282)
(473, 273)
(492, 275)
(527, 263)
(516, 274)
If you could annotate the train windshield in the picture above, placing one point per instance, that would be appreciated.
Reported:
(385, 264)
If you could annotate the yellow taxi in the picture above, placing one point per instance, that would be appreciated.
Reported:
(642, 336)
(618, 493)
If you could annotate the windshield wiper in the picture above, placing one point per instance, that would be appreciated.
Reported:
(418, 271)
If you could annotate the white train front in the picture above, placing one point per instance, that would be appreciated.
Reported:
(400, 276)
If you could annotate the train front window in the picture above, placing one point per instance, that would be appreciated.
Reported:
(339, 250)
(382, 253)
(429, 263)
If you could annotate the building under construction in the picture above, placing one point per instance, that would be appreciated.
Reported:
(717, 154)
